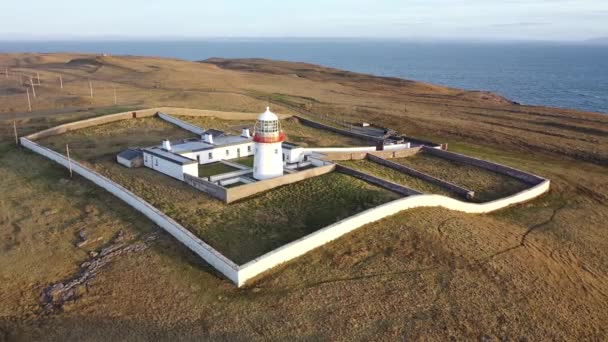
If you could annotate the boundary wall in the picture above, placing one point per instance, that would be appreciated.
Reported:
(183, 235)
(229, 195)
(406, 152)
(315, 124)
(241, 274)
(319, 238)
(207, 187)
(394, 187)
(463, 192)
(495, 167)
(181, 124)
(246, 190)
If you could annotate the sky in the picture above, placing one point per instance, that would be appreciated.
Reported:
(559, 20)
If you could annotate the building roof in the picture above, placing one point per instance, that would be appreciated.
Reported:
(197, 145)
(130, 153)
(289, 146)
(268, 116)
(169, 156)
(214, 132)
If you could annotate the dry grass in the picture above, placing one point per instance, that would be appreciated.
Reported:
(241, 231)
(537, 271)
(487, 185)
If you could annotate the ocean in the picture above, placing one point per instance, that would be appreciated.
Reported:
(550, 74)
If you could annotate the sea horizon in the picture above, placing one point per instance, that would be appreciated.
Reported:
(572, 75)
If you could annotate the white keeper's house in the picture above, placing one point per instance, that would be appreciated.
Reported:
(176, 158)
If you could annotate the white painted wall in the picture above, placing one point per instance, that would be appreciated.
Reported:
(334, 231)
(206, 252)
(123, 161)
(268, 160)
(182, 124)
(164, 166)
(297, 155)
(217, 154)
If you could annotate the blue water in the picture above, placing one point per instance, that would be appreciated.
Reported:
(550, 74)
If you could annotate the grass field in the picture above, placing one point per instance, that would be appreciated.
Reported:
(535, 271)
(487, 185)
(397, 177)
(241, 231)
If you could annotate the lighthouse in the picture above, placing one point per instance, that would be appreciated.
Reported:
(268, 154)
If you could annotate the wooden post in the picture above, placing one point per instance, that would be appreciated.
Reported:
(91, 88)
(29, 102)
(21, 78)
(6, 72)
(67, 151)
(38, 76)
(115, 96)
(15, 130)
(60, 82)
(33, 89)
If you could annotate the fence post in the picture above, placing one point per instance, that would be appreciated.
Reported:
(67, 150)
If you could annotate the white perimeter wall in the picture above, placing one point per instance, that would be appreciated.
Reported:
(210, 255)
(334, 231)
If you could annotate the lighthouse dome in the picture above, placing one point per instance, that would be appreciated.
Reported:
(268, 116)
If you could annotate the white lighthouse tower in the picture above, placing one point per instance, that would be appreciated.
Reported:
(268, 154)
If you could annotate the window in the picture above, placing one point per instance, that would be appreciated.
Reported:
(155, 162)
(249, 148)
(198, 157)
(276, 151)
(283, 156)
(210, 155)
(227, 152)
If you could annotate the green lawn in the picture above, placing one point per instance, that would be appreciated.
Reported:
(247, 161)
(212, 169)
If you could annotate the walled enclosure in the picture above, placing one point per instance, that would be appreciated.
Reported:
(241, 274)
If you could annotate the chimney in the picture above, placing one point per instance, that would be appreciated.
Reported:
(166, 145)
(208, 138)
(245, 133)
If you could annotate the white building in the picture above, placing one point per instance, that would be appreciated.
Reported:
(215, 146)
(163, 160)
(268, 138)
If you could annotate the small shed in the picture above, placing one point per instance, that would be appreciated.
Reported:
(131, 157)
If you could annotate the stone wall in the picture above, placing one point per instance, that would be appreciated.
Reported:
(408, 152)
(207, 187)
(246, 190)
(498, 168)
(339, 130)
(466, 193)
(400, 189)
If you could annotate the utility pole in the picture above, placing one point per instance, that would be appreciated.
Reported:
(33, 89)
(91, 88)
(15, 130)
(29, 102)
(61, 82)
(67, 150)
